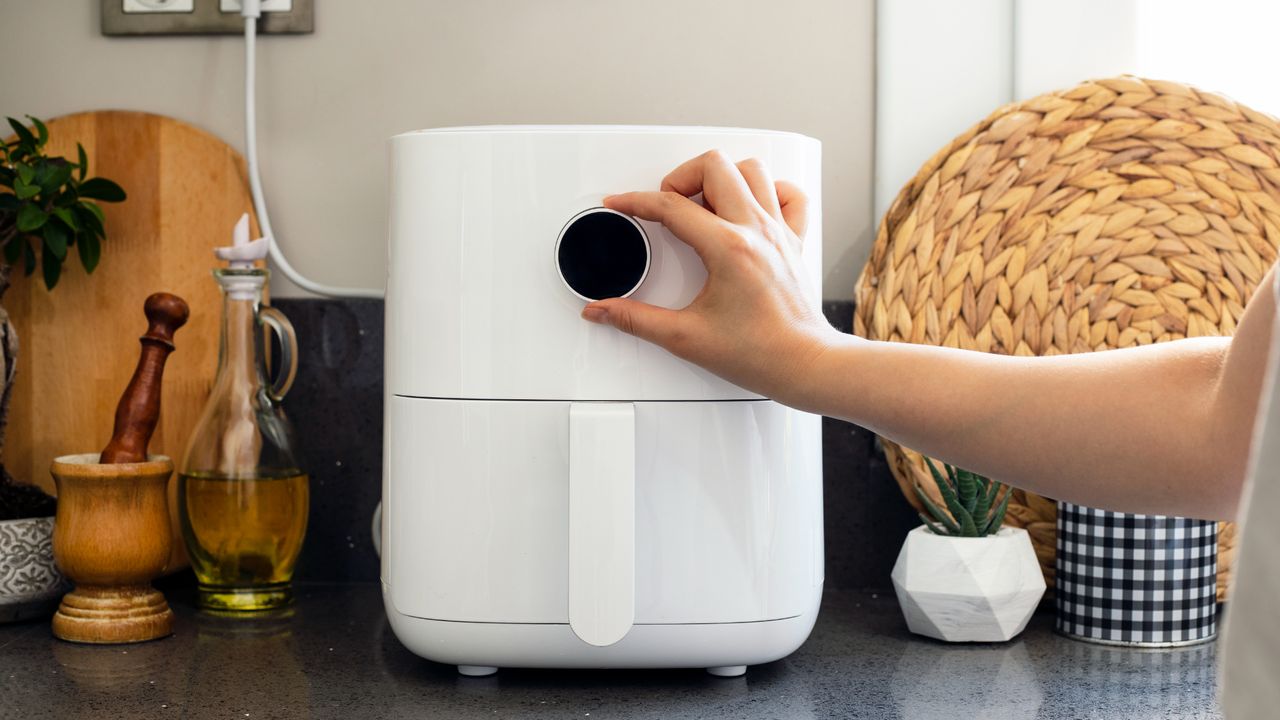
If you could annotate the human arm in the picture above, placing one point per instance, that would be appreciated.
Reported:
(1157, 429)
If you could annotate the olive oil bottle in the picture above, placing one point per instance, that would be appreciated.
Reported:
(242, 495)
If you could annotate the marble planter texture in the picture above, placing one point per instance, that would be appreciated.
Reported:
(968, 589)
(30, 584)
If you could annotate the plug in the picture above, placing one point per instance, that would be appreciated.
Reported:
(254, 8)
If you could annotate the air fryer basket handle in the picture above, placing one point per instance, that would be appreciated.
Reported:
(602, 521)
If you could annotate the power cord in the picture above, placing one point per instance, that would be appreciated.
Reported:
(250, 11)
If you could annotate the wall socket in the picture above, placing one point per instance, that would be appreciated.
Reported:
(203, 17)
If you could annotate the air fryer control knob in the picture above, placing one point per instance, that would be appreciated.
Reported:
(602, 253)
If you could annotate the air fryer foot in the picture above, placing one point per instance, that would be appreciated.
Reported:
(476, 670)
(728, 670)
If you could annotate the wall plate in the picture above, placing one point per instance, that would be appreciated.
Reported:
(205, 17)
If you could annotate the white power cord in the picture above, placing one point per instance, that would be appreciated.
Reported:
(250, 11)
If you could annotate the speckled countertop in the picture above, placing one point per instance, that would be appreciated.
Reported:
(334, 656)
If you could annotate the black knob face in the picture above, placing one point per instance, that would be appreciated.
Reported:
(602, 254)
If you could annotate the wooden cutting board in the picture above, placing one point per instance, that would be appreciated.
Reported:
(78, 344)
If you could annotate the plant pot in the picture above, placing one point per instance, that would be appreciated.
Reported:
(30, 583)
(967, 589)
(1140, 580)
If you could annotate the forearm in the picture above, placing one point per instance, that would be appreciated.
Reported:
(1138, 429)
(1159, 429)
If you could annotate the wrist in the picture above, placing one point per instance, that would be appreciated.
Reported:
(815, 370)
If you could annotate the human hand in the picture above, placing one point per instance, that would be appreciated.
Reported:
(753, 322)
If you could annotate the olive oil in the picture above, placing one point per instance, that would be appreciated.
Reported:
(243, 534)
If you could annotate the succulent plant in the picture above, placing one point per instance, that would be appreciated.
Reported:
(972, 510)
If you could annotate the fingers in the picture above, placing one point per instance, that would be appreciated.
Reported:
(686, 219)
(719, 181)
(659, 326)
(795, 207)
(748, 186)
(760, 181)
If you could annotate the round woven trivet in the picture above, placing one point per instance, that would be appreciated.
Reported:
(1120, 212)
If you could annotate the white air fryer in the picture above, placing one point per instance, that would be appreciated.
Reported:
(556, 493)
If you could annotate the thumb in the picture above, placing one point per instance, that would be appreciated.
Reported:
(659, 326)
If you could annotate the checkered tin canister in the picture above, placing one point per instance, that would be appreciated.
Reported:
(1142, 580)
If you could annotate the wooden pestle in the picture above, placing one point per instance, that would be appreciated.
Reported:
(139, 407)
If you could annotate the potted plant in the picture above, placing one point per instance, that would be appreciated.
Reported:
(30, 583)
(961, 576)
(46, 208)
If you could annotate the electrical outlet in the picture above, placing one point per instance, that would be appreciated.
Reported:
(159, 6)
(267, 6)
(201, 17)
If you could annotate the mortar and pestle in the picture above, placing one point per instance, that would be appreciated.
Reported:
(111, 531)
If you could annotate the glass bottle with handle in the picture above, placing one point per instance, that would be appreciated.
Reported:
(242, 494)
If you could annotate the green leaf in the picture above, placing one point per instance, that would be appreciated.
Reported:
(943, 518)
(26, 173)
(55, 177)
(90, 216)
(13, 249)
(95, 209)
(24, 135)
(101, 189)
(25, 190)
(967, 489)
(84, 161)
(41, 130)
(998, 518)
(28, 258)
(31, 217)
(982, 512)
(67, 217)
(51, 266)
(934, 528)
(56, 238)
(933, 470)
(90, 251)
(962, 516)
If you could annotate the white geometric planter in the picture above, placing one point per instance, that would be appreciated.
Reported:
(965, 589)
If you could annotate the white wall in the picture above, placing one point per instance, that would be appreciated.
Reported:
(1228, 46)
(328, 101)
(943, 65)
(1058, 46)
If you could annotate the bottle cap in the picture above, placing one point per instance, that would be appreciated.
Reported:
(241, 256)
(242, 252)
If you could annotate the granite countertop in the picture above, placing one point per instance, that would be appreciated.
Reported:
(334, 656)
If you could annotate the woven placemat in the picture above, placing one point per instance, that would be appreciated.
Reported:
(1120, 212)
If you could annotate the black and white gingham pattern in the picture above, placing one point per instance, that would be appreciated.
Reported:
(1135, 579)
